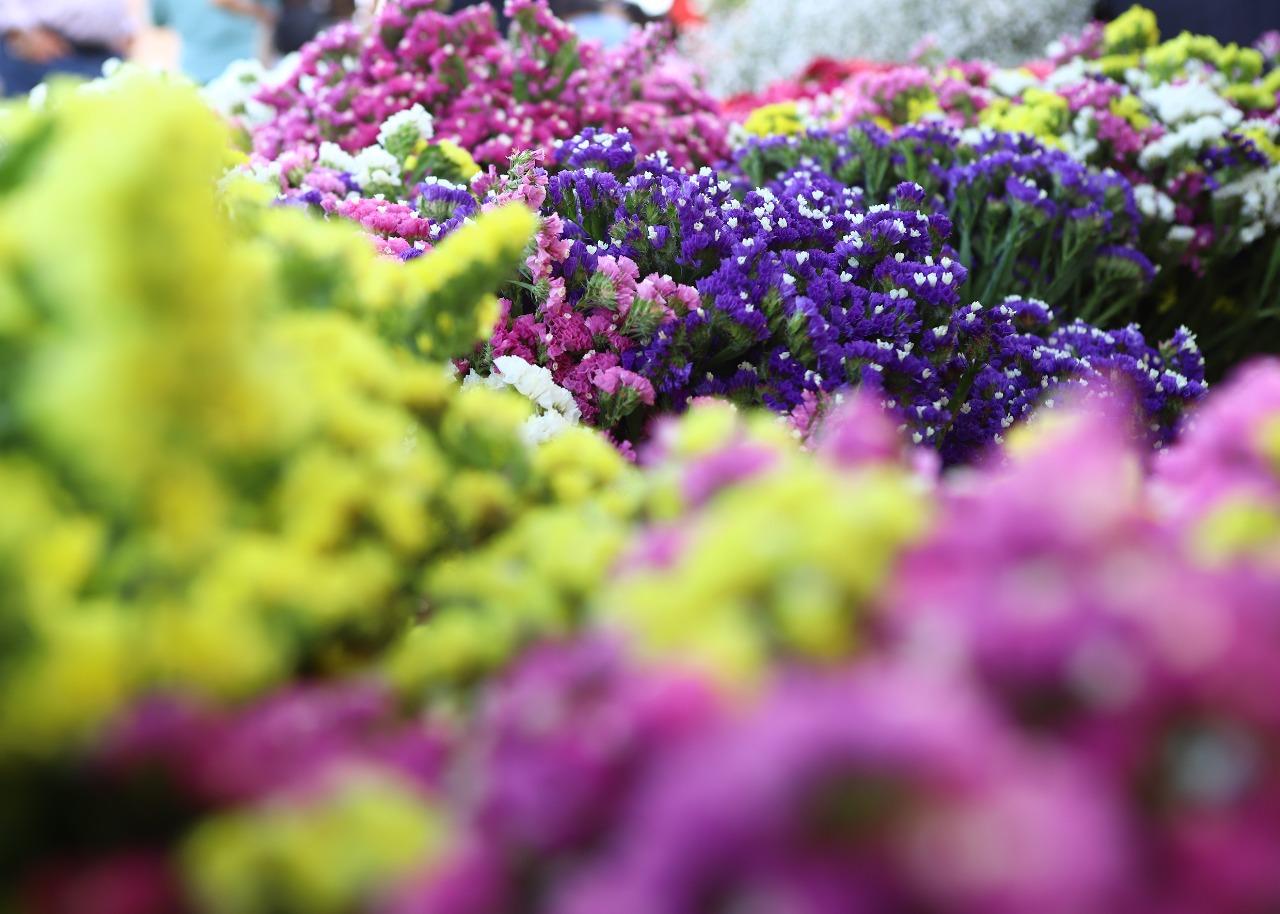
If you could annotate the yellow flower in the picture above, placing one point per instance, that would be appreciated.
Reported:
(460, 158)
(1133, 30)
(1040, 113)
(325, 855)
(1130, 108)
(780, 119)
(778, 566)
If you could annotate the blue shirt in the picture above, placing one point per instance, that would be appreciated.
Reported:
(609, 30)
(211, 37)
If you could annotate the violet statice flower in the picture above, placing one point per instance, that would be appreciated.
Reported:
(784, 294)
(282, 743)
(1052, 585)
(548, 767)
(878, 790)
(1027, 220)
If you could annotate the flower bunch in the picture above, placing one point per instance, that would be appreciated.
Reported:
(1030, 220)
(232, 438)
(490, 94)
(779, 283)
(1193, 124)
(1190, 123)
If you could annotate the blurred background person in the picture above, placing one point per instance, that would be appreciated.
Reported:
(44, 37)
(213, 33)
(599, 20)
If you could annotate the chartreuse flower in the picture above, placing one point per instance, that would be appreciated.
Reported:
(444, 159)
(1237, 527)
(1133, 30)
(1251, 96)
(776, 566)
(225, 471)
(780, 119)
(1041, 113)
(1241, 524)
(481, 607)
(1130, 108)
(530, 582)
(1169, 59)
(701, 433)
(438, 306)
(326, 853)
(459, 158)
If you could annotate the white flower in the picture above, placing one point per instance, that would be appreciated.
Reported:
(559, 411)
(1178, 102)
(536, 383)
(544, 427)
(1012, 83)
(374, 165)
(414, 122)
(1153, 203)
(232, 93)
(331, 155)
(1190, 137)
(1258, 193)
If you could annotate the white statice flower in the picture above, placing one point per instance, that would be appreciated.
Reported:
(1190, 137)
(537, 383)
(331, 155)
(538, 429)
(1175, 103)
(751, 43)
(1080, 141)
(1153, 202)
(374, 166)
(412, 124)
(1258, 193)
(232, 93)
(1012, 83)
(1071, 73)
(1182, 234)
(558, 410)
(491, 381)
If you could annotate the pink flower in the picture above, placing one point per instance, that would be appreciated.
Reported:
(621, 273)
(612, 379)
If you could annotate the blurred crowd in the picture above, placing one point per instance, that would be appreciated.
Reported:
(42, 37)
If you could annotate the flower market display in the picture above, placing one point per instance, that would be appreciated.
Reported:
(1187, 128)
(467, 473)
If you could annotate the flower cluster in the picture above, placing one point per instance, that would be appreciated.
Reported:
(220, 472)
(779, 283)
(636, 526)
(1190, 123)
(1029, 220)
(490, 94)
(1060, 661)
